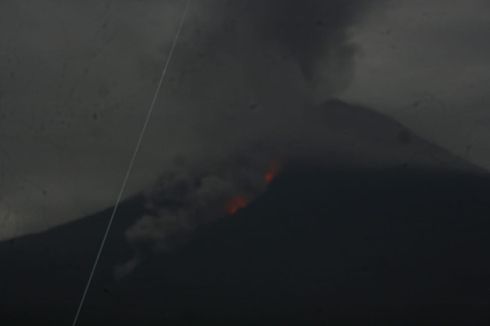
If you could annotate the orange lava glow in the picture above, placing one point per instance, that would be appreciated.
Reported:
(235, 204)
(272, 172)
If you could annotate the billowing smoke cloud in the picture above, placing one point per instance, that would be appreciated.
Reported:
(79, 76)
(256, 75)
(314, 32)
(186, 197)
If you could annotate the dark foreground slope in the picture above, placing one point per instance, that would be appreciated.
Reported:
(358, 245)
(344, 246)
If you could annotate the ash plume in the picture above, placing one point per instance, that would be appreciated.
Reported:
(186, 197)
(314, 32)
(307, 39)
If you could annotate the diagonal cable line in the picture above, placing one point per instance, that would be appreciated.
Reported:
(132, 161)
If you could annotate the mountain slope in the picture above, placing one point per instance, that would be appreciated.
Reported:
(346, 243)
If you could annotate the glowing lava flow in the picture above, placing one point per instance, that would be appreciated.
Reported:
(272, 172)
(238, 202)
(235, 204)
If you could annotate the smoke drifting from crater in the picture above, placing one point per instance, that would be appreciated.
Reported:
(314, 32)
(185, 198)
(255, 78)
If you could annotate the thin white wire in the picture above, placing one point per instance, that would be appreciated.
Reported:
(132, 160)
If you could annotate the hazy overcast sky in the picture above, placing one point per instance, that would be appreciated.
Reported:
(77, 78)
(427, 64)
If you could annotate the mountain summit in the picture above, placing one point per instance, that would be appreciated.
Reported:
(379, 227)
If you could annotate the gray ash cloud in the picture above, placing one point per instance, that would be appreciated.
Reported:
(186, 197)
(314, 32)
(257, 41)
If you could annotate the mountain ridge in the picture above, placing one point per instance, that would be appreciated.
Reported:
(325, 242)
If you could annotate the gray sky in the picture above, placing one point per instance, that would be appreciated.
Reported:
(427, 64)
(78, 76)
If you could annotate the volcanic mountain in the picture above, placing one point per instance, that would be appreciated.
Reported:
(379, 227)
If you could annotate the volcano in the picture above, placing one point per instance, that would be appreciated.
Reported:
(382, 227)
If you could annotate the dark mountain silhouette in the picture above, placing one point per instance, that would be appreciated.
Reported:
(402, 243)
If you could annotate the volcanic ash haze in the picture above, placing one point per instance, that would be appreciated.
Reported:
(243, 90)
(80, 83)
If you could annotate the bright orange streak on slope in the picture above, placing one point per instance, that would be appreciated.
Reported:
(240, 201)
(235, 204)
(272, 172)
